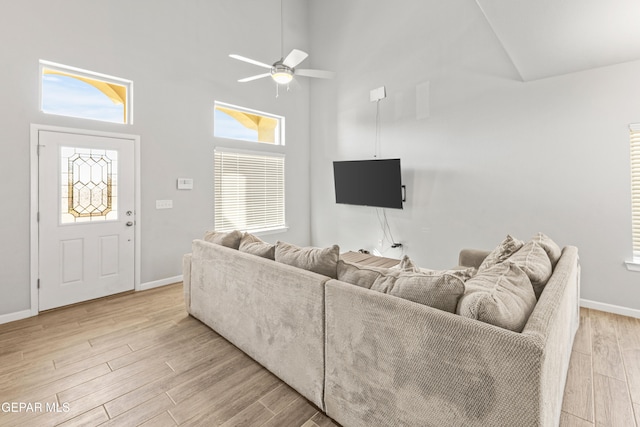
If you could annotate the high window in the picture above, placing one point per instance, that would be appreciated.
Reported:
(235, 122)
(249, 185)
(69, 91)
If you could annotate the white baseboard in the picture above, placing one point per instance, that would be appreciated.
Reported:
(158, 283)
(12, 317)
(609, 308)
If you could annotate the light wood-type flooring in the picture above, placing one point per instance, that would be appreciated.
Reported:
(603, 384)
(139, 359)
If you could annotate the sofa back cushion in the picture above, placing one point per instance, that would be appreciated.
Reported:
(359, 275)
(533, 260)
(501, 295)
(319, 260)
(254, 245)
(230, 239)
(437, 289)
(407, 265)
(550, 247)
(504, 250)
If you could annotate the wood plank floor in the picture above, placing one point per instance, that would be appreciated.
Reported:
(139, 359)
(603, 384)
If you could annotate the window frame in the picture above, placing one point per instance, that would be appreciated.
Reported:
(91, 75)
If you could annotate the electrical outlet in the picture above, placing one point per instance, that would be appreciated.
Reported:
(164, 204)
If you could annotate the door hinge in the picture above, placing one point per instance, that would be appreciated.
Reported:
(38, 283)
(37, 216)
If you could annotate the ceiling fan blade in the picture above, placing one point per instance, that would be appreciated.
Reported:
(322, 74)
(294, 58)
(259, 76)
(250, 61)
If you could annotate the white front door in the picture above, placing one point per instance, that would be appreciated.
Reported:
(86, 217)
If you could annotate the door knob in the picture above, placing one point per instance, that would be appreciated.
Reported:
(129, 223)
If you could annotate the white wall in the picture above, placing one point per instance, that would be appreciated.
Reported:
(495, 155)
(176, 52)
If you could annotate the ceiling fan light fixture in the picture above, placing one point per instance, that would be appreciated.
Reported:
(282, 75)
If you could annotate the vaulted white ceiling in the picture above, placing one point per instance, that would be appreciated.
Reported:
(551, 37)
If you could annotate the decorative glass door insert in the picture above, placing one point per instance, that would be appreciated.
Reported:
(89, 185)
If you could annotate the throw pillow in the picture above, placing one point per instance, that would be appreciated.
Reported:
(254, 245)
(501, 295)
(408, 266)
(321, 261)
(533, 260)
(440, 290)
(550, 247)
(230, 239)
(463, 273)
(504, 250)
(360, 275)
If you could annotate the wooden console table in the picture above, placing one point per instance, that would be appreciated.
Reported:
(368, 259)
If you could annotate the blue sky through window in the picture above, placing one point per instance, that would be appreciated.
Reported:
(67, 96)
(226, 126)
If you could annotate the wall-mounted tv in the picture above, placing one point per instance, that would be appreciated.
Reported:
(369, 183)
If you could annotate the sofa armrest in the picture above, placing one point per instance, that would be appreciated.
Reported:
(272, 311)
(472, 257)
(554, 322)
(390, 361)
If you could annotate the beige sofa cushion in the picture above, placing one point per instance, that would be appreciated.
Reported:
(359, 275)
(254, 245)
(504, 250)
(501, 295)
(440, 290)
(319, 260)
(230, 239)
(407, 265)
(437, 289)
(550, 247)
(533, 260)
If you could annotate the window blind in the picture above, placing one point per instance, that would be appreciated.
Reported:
(249, 191)
(635, 188)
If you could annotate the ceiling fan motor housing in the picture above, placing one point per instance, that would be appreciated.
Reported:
(281, 73)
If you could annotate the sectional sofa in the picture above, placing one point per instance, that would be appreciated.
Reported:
(368, 358)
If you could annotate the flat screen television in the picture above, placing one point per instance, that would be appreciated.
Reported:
(369, 183)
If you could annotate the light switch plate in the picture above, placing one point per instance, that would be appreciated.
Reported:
(185, 183)
(164, 204)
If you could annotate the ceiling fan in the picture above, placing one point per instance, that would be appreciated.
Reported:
(283, 70)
